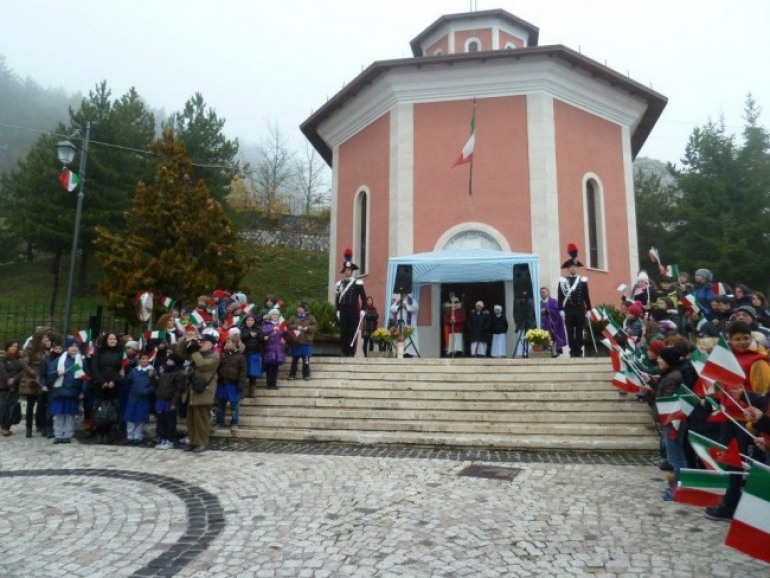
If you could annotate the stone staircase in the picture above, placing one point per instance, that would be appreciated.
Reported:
(524, 404)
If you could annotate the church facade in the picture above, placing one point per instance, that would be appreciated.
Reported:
(555, 137)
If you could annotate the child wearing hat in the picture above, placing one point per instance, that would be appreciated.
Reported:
(274, 350)
(670, 360)
(232, 382)
(171, 385)
(141, 381)
(68, 388)
(301, 329)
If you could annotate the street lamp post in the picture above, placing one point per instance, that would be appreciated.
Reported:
(66, 152)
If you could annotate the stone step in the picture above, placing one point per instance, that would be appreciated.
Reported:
(481, 363)
(370, 413)
(493, 441)
(459, 427)
(439, 385)
(533, 404)
(532, 399)
(463, 378)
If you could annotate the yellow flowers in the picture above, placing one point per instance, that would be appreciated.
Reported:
(538, 337)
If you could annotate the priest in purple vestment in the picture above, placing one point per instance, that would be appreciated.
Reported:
(551, 321)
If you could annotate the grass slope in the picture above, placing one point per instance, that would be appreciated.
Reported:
(287, 273)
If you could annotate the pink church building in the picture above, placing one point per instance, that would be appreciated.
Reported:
(556, 133)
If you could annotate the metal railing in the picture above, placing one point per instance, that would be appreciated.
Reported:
(18, 321)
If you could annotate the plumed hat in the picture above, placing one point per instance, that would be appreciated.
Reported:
(572, 251)
(347, 262)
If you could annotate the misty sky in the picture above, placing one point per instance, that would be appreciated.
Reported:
(257, 62)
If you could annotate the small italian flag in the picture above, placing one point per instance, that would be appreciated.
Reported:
(622, 287)
(702, 488)
(598, 315)
(704, 386)
(722, 366)
(654, 255)
(69, 180)
(197, 318)
(247, 308)
(167, 302)
(750, 529)
(690, 302)
(719, 289)
(677, 407)
(83, 336)
(704, 448)
(466, 155)
(671, 271)
(157, 334)
(78, 373)
(621, 382)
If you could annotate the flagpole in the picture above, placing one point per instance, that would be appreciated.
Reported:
(470, 174)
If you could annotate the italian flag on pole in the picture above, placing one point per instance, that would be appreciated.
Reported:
(701, 487)
(167, 302)
(750, 529)
(466, 155)
(707, 450)
(157, 334)
(69, 180)
(197, 318)
(722, 366)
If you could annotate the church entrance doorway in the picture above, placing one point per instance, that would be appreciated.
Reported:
(492, 293)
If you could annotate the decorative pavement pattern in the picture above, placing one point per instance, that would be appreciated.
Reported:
(292, 510)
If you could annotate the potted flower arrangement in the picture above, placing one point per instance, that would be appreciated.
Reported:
(539, 339)
(381, 337)
(400, 334)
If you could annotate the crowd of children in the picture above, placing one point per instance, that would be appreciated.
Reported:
(703, 347)
(193, 364)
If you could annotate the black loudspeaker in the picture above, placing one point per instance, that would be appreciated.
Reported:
(523, 299)
(403, 283)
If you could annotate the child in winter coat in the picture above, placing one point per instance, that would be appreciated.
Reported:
(274, 353)
(68, 389)
(232, 381)
(171, 385)
(303, 327)
(141, 382)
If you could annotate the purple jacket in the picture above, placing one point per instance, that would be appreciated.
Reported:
(274, 351)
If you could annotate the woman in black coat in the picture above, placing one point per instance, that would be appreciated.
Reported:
(106, 367)
(251, 337)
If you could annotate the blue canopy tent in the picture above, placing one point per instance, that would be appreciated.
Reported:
(463, 266)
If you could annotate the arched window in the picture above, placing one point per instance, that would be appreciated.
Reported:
(594, 224)
(472, 45)
(510, 46)
(438, 52)
(361, 230)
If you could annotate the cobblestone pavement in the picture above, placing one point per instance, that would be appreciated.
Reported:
(287, 510)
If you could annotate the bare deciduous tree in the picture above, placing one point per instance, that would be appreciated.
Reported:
(273, 170)
(312, 178)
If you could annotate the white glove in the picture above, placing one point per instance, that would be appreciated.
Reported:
(362, 313)
(338, 315)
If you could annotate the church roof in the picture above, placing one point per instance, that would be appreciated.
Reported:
(656, 102)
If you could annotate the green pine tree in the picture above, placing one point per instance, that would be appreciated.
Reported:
(178, 241)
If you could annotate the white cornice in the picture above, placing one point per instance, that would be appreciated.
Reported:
(494, 78)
